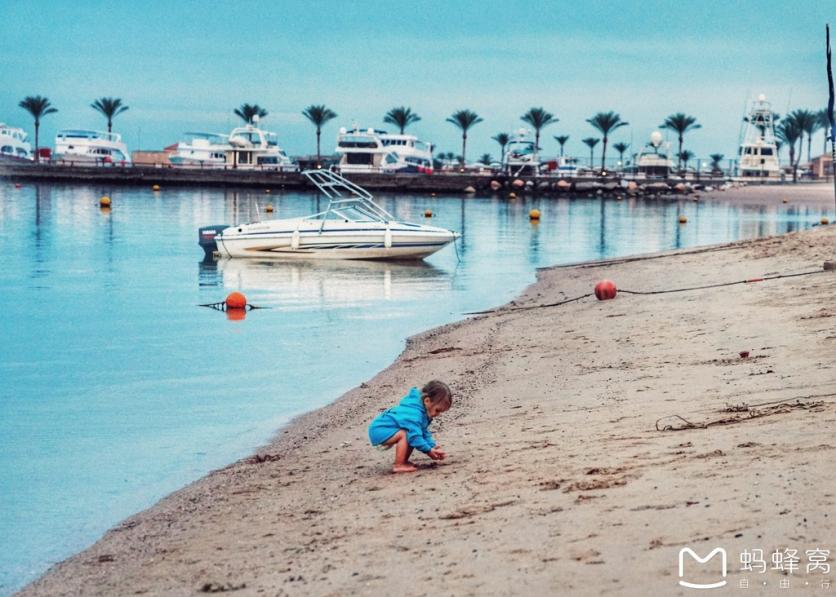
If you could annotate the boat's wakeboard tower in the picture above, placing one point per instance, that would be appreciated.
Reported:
(347, 200)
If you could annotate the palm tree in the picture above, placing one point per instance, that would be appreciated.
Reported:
(486, 159)
(789, 133)
(591, 142)
(318, 115)
(681, 124)
(621, 147)
(502, 139)
(685, 156)
(716, 158)
(464, 119)
(562, 140)
(38, 107)
(110, 108)
(539, 119)
(401, 117)
(248, 112)
(806, 122)
(606, 122)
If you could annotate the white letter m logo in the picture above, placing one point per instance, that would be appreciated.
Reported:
(692, 553)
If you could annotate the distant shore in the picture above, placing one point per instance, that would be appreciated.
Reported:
(559, 479)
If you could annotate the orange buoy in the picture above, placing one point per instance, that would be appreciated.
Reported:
(155, 187)
(236, 300)
(824, 221)
(683, 220)
(605, 290)
(428, 213)
(269, 208)
(17, 185)
(512, 195)
(534, 214)
(104, 201)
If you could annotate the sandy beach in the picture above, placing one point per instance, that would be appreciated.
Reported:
(589, 442)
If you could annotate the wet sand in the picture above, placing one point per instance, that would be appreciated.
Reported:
(559, 479)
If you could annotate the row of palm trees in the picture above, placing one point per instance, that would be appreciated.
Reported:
(794, 126)
(791, 130)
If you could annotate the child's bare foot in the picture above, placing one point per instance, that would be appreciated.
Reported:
(404, 468)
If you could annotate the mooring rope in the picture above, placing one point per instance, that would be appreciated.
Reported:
(650, 292)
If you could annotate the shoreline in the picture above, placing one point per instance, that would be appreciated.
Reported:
(182, 544)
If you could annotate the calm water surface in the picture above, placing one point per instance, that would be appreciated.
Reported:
(117, 389)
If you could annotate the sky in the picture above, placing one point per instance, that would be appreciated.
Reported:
(184, 66)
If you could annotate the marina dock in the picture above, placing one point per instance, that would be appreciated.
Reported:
(443, 182)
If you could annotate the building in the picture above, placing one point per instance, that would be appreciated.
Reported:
(821, 166)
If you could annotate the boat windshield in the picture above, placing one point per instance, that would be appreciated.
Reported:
(357, 141)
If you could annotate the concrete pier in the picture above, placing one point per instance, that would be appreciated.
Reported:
(442, 182)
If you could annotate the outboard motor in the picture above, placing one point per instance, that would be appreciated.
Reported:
(206, 238)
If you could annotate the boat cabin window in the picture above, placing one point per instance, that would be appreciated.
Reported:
(268, 160)
(766, 151)
(7, 149)
(244, 157)
(357, 141)
(391, 158)
(364, 159)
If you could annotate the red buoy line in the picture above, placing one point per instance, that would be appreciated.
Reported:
(235, 301)
(606, 290)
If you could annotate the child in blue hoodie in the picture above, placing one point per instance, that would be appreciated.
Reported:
(406, 426)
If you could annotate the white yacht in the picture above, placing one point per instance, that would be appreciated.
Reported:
(352, 227)
(251, 147)
(567, 166)
(14, 143)
(201, 150)
(93, 147)
(654, 159)
(373, 150)
(759, 151)
(522, 157)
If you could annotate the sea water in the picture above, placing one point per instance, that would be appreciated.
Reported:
(116, 388)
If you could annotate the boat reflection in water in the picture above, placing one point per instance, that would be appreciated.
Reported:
(330, 284)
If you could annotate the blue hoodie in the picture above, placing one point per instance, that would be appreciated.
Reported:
(411, 416)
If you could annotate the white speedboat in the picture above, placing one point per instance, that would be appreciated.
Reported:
(521, 155)
(352, 227)
(96, 147)
(201, 150)
(14, 143)
(373, 150)
(759, 149)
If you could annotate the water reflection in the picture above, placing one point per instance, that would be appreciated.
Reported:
(334, 284)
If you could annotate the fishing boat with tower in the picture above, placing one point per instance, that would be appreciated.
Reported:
(758, 154)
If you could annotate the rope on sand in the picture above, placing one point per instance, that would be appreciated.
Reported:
(649, 292)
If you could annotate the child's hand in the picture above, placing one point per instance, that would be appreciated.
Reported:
(437, 454)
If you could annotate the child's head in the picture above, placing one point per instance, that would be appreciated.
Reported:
(437, 397)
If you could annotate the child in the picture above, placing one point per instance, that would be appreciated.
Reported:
(406, 426)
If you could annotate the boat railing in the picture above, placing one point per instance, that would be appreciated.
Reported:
(343, 196)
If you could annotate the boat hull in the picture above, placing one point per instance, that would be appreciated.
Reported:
(303, 239)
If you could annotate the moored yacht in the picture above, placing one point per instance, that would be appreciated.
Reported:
(653, 160)
(95, 147)
(522, 157)
(251, 147)
(14, 143)
(759, 150)
(373, 150)
(352, 227)
(201, 150)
